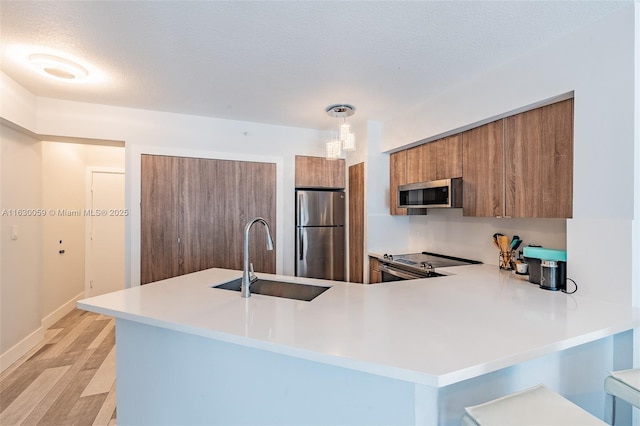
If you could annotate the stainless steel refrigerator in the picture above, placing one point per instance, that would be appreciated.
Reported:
(320, 235)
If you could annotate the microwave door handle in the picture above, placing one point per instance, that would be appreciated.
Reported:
(396, 273)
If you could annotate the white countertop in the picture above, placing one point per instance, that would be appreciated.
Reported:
(434, 331)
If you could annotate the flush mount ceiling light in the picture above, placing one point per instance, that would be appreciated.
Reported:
(344, 140)
(57, 67)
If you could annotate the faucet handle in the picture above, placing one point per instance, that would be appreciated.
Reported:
(252, 274)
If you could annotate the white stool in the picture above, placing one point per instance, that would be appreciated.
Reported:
(624, 384)
(536, 406)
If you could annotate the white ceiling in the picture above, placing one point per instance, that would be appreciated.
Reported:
(281, 62)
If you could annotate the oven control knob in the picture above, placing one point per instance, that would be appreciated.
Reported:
(386, 256)
(390, 257)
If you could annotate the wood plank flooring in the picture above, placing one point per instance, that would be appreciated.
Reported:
(69, 379)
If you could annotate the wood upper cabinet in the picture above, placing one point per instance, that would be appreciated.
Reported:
(440, 159)
(483, 170)
(318, 172)
(448, 157)
(193, 214)
(418, 164)
(397, 177)
(539, 162)
(521, 166)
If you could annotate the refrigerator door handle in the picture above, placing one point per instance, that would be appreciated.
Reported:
(300, 207)
(301, 244)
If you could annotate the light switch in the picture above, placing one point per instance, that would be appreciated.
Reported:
(14, 232)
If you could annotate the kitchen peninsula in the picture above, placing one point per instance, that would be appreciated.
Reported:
(411, 352)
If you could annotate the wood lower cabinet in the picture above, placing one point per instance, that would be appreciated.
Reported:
(193, 214)
(356, 223)
(521, 166)
(375, 275)
(318, 172)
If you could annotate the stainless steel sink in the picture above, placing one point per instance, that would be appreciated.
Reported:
(278, 289)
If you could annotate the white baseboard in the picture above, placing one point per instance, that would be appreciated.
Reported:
(32, 340)
(63, 310)
(21, 348)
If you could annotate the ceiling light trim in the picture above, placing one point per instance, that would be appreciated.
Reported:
(87, 74)
(54, 66)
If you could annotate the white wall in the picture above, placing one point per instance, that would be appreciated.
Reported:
(17, 104)
(636, 217)
(20, 265)
(597, 63)
(64, 188)
(177, 134)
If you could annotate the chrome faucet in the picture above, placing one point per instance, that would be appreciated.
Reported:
(248, 276)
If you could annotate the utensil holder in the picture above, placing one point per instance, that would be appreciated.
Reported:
(506, 260)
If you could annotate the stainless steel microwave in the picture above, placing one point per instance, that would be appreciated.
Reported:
(444, 193)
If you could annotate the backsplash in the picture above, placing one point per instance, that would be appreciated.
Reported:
(447, 231)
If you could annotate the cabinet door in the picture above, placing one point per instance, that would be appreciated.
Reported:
(557, 167)
(356, 223)
(421, 163)
(194, 212)
(375, 276)
(446, 158)
(318, 172)
(440, 159)
(260, 192)
(483, 170)
(208, 232)
(398, 176)
(219, 197)
(159, 216)
(539, 162)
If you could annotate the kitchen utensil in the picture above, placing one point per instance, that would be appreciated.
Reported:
(495, 239)
(503, 242)
(515, 247)
(505, 252)
(514, 242)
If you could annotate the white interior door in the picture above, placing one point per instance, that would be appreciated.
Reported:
(106, 233)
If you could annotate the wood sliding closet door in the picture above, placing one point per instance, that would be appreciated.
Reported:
(208, 203)
(159, 217)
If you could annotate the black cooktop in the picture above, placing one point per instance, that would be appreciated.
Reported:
(419, 260)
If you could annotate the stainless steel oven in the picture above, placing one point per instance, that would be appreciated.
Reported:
(417, 265)
(392, 273)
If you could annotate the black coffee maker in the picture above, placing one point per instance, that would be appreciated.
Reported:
(547, 267)
(553, 275)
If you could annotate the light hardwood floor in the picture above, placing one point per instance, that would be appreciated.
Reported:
(69, 379)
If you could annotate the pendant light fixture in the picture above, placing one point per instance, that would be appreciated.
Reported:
(344, 139)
